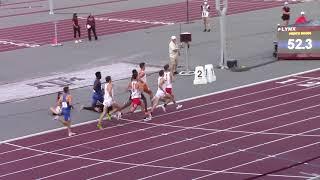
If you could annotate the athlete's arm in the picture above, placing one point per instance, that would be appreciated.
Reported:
(69, 101)
(95, 84)
(161, 84)
(141, 74)
(60, 100)
(129, 86)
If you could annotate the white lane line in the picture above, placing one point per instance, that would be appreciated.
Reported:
(139, 21)
(306, 77)
(186, 109)
(246, 149)
(19, 43)
(284, 152)
(132, 164)
(100, 161)
(211, 145)
(181, 129)
(295, 100)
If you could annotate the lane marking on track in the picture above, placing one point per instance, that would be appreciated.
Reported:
(131, 21)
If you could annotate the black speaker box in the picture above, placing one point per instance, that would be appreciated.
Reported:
(232, 64)
(185, 37)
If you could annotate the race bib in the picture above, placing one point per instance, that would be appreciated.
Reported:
(58, 109)
(205, 14)
(64, 104)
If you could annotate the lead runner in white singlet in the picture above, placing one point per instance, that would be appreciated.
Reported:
(162, 94)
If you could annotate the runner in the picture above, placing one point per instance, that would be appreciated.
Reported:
(97, 97)
(205, 15)
(168, 81)
(136, 89)
(66, 104)
(129, 102)
(110, 105)
(143, 78)
(162, 94)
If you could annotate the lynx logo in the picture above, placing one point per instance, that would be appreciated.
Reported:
(286, 29)
(60, 82)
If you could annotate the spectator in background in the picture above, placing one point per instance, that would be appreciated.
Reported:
(91, 26)
(285, 14)
(76, 28)
(301, 19)
(205, 15)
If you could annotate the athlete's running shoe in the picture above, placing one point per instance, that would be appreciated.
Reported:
(119, 115)
(179, 107)
(71, 134)
(148, 118)
(99, 126)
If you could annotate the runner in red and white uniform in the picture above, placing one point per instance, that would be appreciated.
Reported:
(162, 94)
(169, 80)
(136, 89)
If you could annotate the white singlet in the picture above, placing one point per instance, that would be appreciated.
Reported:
(108, 99)
(205, 10)
(135, 93)
(167, 77)
(58, 109)
(160, 93)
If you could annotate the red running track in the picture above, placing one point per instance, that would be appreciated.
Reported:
(269, 130)
(43, 33)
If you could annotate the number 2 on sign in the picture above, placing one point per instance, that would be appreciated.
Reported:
(199, 73)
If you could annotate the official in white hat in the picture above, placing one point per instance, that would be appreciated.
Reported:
(173, 54)
(301, 19)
